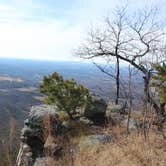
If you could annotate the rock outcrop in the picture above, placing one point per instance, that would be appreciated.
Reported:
(97, 110)
(115, 113)
(118, 115)
(45, 129)
(41, 120)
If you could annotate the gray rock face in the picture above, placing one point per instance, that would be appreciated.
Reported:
(115, 113)
(33, 134)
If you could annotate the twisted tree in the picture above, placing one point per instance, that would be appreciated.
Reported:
(134, 39)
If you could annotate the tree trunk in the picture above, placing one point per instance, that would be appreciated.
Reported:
(117, 80)
(159, 109)
(148, 97)
(146, 87)
(130, 100)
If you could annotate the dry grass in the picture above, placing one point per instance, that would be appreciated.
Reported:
(63, 140)
(126, 151)
(129, 151)
(9, 145)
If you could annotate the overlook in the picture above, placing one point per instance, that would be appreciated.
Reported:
(82, 83)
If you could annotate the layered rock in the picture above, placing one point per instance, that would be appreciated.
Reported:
(36, 129)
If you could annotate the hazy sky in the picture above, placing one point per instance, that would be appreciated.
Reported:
(50, 29)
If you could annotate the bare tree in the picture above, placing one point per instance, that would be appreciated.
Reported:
(137, 40)
(111, 72)
(110, 38)
(130, 96)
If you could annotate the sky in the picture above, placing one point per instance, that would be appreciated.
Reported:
(51, 29)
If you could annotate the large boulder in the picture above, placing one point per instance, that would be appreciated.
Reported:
(96, 111)
(115, 113)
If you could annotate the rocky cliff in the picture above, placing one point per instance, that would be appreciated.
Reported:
(46, 129)
(33, 136)
(48, 134)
